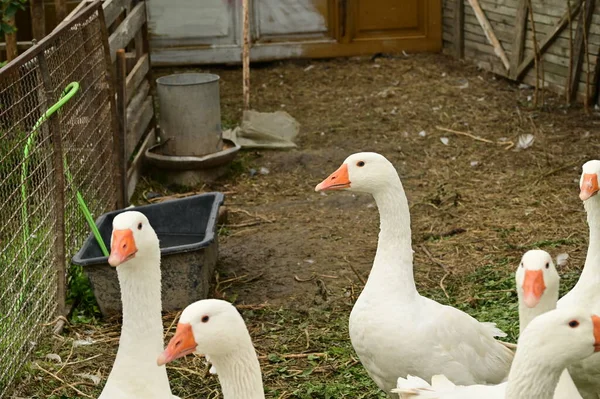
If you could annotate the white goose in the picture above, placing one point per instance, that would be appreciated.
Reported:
(394, 330)
(135, 253)
(537, 288)
(550, 343)
(586, 374)
(215, 328)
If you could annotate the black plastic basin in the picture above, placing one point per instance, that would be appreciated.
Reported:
(186, 228)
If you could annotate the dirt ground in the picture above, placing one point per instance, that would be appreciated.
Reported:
(294, 259)
(486, 202)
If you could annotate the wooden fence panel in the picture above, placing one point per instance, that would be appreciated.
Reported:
(563, 55)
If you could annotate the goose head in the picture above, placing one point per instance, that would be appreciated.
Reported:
(588, 183)
(366, 172)
(132, 236)
(210, 327)
(563, 336)
(536, 277)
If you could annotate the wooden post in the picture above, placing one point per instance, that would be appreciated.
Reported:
(11, 42)
(570, 71)
(146, 50)
(38, 19)
(118, 139)
(58, 187)
(519, 40)
(489, 32)
(583, 27)
(459, 28)
(61, 10)
(121, 89)
(547, 40)
(596, 89)
(246, 54)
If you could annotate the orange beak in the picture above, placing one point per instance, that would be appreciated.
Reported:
(589, 186)
(122, 248)
(182, 344)
(533, 287)
(596, 321)
(338, 180)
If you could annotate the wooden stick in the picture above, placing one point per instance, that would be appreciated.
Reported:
(489, 33)
(519, 40)
(586, 49)
(585, 19)
(360, 278)
(547, 41)
(536, 54)
(246, 54)
(570, 72)
(459, 28)
(63, 381)
(119, 137)
(509, 144)
(296, 355)
(38, 20)
(440, 264)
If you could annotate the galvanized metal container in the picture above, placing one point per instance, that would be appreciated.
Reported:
(190, 113)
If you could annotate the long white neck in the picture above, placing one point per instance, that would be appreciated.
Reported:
(591, 271)
(546, 304)
(393, 266)
(239, 373)
(141, 338)
(530, 377)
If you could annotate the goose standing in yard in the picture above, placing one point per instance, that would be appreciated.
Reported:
(586, 293)
(135, 252)
(215, 328)
(537, 288)
(550, 343)
(394, 330)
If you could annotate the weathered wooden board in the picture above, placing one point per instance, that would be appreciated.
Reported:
(127, 29)
(136, 76)
(138, 125)
(135, 169)
(113, 8)
(137, 101)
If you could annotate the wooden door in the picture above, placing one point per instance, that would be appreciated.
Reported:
(291, 29)
(371, 26)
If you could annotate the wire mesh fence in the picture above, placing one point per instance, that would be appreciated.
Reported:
(48, 165)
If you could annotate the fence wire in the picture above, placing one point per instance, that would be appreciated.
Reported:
(32, 258)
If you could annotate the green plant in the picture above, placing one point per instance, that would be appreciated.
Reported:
(9, 10)
(80, 294)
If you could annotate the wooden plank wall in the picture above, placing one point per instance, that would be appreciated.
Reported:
(128, 30)
(502, 15)
(137, 120)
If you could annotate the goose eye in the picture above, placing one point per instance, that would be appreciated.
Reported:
(139, 226)
(573, 323)
(522, 264)
(205, 319)
(360, 164)
(547, 265)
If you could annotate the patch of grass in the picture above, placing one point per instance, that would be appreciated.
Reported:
(327, 367)
(488, 294)
(279, 332)
(546, 244)
(81, 295)
(240, 165)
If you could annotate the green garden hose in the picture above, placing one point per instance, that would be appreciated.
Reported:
(67, 94)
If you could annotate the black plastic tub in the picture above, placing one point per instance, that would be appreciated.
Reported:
(186, 228)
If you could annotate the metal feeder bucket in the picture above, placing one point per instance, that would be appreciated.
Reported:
(190, 113)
